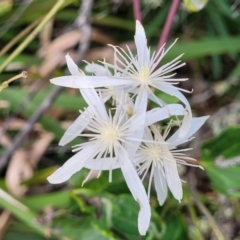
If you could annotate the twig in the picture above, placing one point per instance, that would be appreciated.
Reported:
(137, 10)
(82, 23)
(34, 33)
(5, 84)
(29, 125)
(84, 14)
(208, 215)
(168, 23)
(31, 94)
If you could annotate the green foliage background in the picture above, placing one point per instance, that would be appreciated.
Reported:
(210, 41)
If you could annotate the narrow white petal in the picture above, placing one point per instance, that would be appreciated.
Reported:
(72, 67)
(73, 165)
(160, 186)
(89, 81)
(95, 102)
(158, 114)
(195, 125)
(173, 180)
(77, 127)
(143, 53)
(103, 164)
(155, 99)
(136, 187)
(97, 69)
(139, 109)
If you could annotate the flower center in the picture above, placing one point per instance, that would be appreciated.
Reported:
(144, 75)
(110, 135)
(155, 153)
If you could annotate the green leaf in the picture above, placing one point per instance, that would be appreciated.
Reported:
(175, 227)
(122, 213)
(54, 199)
(22, 212)
(224, 178)
(204, 47)
(39, 177)
(77, 228)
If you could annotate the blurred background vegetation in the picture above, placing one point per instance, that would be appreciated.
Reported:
(35, 36)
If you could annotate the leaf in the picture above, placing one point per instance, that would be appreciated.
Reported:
(39, 177)
(22, 212)
(54, 199)
(204, 47)
(226, 145)
(122, 213)
(176, 227)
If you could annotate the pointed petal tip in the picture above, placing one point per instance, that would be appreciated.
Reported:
(138, 23)
(51, 80)
(51, 179)
(62, 143)
(139, 26)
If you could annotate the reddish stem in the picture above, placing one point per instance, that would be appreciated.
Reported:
(168, 23)
(137, 10)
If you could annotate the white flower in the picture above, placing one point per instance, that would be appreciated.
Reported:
(162, 158)
(81, 122)
(137, 74)
(106, 150)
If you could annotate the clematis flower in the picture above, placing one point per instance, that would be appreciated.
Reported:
(109, 135)
(161, 159)
(138, 74)
(81, 122)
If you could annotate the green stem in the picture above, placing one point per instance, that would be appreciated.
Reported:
(19, 36)
(34, 33)
(208, 215)
(193, 216)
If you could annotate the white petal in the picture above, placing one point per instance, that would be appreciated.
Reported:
(195, 125)
(158, 114)
(173, 180)
(77, 127)
(89, 81)
(73, 165)
(139, 122)
(103, 164)
(95, 102)
(97, 69)
(186, 123)
(143, 53)
(160, 186)
(136, 187)
(72, 67)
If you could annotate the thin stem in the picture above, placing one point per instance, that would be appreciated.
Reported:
(5, 84)
(193, 216)
(137, 10)
(24, 44)
(19, 36)
(208, 215)
(168, 23)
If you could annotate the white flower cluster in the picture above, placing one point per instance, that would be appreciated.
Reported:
(127, 136)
